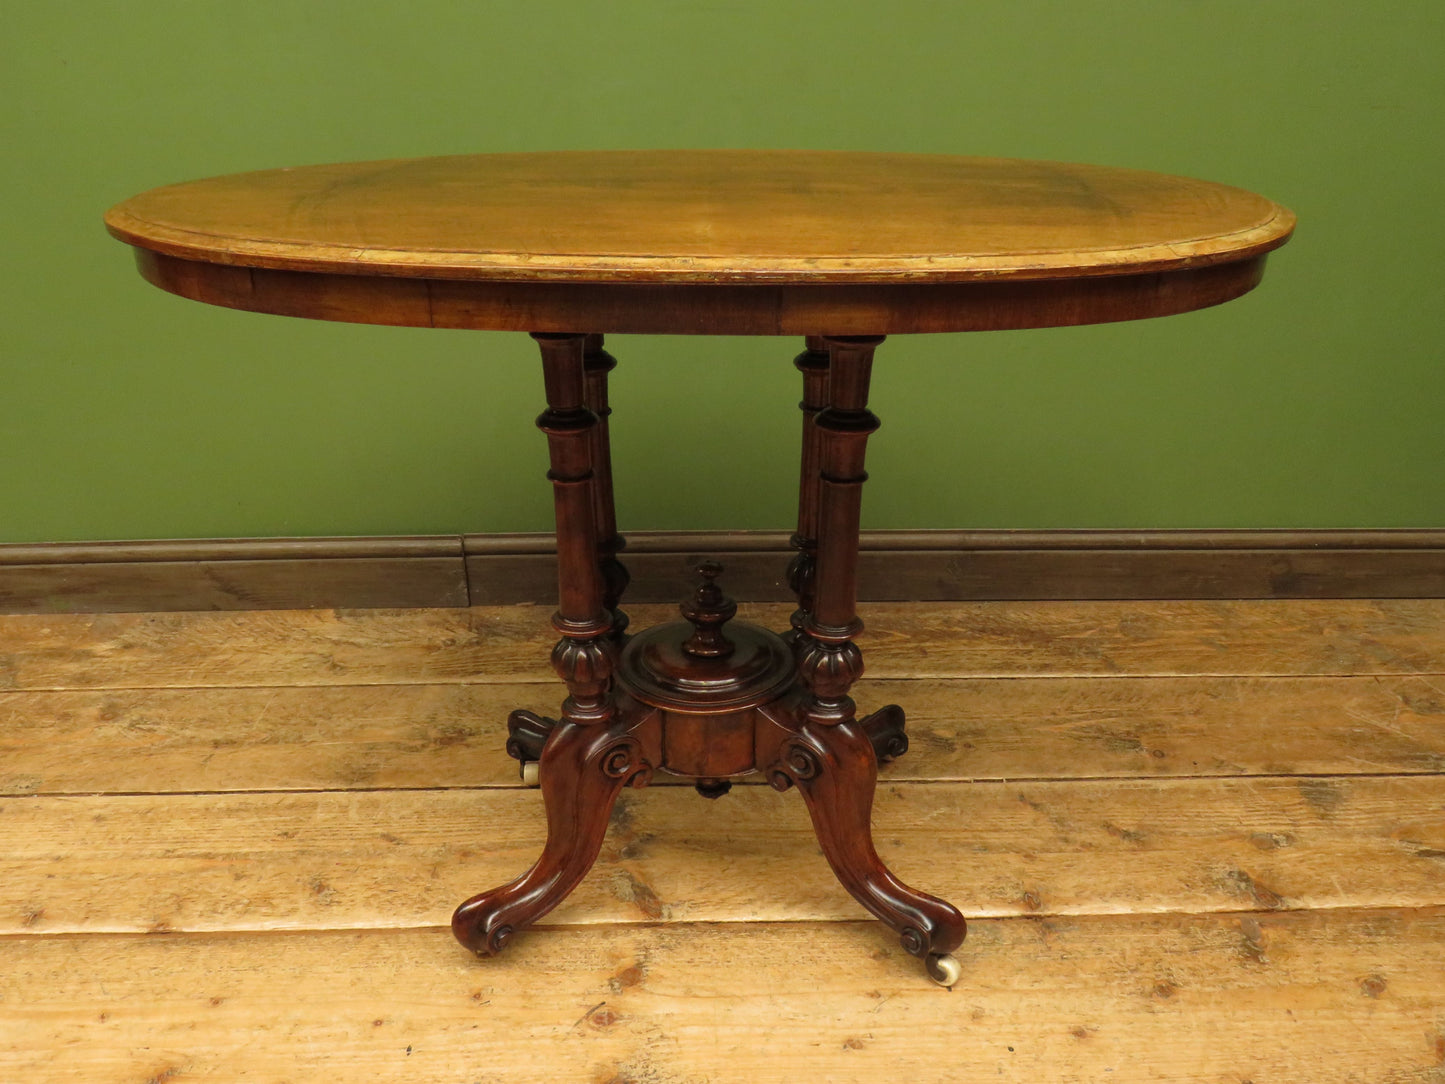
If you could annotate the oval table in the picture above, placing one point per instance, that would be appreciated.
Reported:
(841, 248)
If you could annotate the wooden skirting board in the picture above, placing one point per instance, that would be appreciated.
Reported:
(924, 566)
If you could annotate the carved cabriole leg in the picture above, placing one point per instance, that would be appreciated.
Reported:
(813, 364)
(834, 769)
(584, 768)
(597, 363)
(594, 750)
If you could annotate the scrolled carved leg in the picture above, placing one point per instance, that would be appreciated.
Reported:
(885, 729)
(584, 768)
(834, 769)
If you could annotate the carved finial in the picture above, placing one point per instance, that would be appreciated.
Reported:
(708, 610)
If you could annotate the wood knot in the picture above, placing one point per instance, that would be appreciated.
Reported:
(625, 979)
(1373, 985)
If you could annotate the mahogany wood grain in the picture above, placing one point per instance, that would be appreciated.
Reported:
(584, 768)
(844, 426)
(835, 769)
(829, 662)
(582, 616)
(813, 364)
(697, 308)
(597, 363)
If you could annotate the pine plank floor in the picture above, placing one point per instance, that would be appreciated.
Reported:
(1197, 841)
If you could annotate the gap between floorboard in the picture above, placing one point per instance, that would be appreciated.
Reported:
(883, 780)
(541, 929)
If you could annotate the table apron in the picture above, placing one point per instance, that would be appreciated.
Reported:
(704, 308)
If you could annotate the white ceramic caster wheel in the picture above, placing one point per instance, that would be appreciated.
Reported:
(944, 969)
(531, 773)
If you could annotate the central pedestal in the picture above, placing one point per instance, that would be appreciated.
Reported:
(707, 686)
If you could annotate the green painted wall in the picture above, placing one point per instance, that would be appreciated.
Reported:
(1316, 401)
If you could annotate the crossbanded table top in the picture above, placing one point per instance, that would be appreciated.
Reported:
(710, 216)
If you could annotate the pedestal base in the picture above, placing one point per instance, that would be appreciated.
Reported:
(702, 698)
(754, 721)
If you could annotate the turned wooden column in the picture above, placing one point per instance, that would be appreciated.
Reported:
(582, 616)
(829, 661)
(597, 363)
(813, 364)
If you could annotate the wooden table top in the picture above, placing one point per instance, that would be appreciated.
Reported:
(773, 229)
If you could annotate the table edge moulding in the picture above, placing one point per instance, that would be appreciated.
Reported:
(840, 248)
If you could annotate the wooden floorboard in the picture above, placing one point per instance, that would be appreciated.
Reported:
(405, 858)
(1324, 997)
(1289, 637)
(1197, 841)
(453, 735)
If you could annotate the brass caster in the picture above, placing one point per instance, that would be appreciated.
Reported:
(943, 969)
(531, 773)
